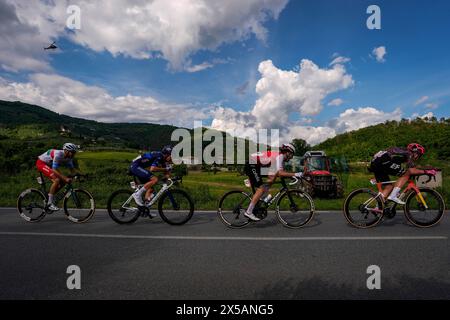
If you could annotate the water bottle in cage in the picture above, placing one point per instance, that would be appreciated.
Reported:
(268, 198)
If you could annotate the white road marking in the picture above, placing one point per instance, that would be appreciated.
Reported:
(222, 238)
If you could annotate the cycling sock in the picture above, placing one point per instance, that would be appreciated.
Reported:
(394, 192)
(250, 208)
(50, 198)
(151, 197)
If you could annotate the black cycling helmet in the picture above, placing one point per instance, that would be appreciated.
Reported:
(166, 150)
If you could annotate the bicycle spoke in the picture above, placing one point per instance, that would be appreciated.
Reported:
(426, 209)
(232, 207)
(31, 205)
(295, 209)
(119, 208)
(175, 207)
(363, 208)
(79, 206)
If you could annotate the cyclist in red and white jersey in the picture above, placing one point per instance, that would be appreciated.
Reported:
(273, 162)
(49, 163)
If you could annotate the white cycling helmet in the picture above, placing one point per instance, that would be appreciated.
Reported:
(287, 147)
(70, 147)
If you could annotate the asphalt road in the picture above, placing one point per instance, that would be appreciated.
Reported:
(203, 259)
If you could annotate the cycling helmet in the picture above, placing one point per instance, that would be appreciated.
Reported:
(287, 147)
(166, 150)
(416, 148)
(70, 147)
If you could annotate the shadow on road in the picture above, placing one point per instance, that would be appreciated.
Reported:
(403, 287)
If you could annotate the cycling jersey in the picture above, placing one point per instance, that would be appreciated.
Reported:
(262, 160)
(150, 159)
(398, 155)
(388, 162)
(55, 158)
(268, 158)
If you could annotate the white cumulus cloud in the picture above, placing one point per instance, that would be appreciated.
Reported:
(171, 29)
(282, 93)
(421, 100)
(340, 60)
(74, 98)
(353, 119)
(336, 102)
(379, 53)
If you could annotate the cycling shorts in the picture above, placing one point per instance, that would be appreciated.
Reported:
(45, 169)
(253, 171)
(143, 175)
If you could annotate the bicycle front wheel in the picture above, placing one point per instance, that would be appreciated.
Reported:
(295, 209)
(120, 207)
(79, 206)
(232, 207)
(176, 207)
(363, 208)
(31, 205)
(424, 216)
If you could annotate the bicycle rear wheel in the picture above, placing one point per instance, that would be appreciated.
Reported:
(176, 207)
(363, 208)
(79, 206)
(295, 209)
(418, 214)
(120, 207)
(232, 207)
(31, 205)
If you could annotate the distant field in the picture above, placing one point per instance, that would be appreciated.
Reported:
(107, 155)
(107, 170)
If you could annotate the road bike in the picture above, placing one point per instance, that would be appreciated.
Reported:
(78, 204)
(175, 206)
(294, 207)
(365, 208)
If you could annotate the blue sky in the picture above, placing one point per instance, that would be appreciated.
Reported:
(415, 35)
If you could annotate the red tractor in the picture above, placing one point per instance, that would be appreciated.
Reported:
(319, 180)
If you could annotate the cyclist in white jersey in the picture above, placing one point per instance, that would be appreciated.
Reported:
(49, 163)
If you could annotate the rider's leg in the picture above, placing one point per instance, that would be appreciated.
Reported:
(143, 176)
(387, 190)
(53, 189)
(258, 193)
(399, 184)
(149, 187)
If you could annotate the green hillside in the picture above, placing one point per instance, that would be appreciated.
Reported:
(362, 144)
(27, 130)
(24, 121)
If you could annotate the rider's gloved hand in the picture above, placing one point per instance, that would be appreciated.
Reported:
(169, 167)
(68, 180)
(430, 172)
(298, 174)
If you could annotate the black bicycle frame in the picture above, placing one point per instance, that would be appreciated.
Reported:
(61, 193)
(284, 188)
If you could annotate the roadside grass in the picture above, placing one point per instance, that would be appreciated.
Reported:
(108, 172)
